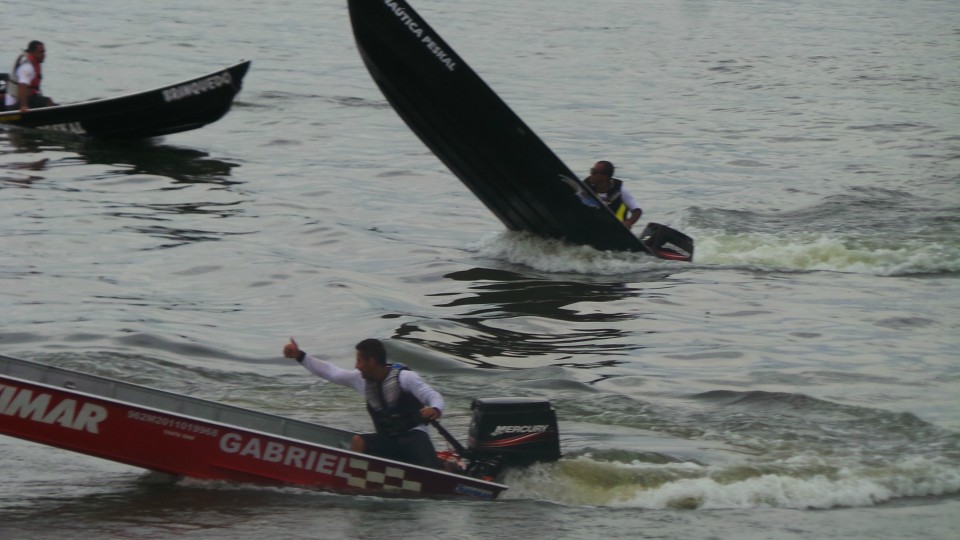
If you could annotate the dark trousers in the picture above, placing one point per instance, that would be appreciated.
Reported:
(413, 447)
(33, 102)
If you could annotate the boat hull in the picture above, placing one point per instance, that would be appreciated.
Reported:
(185, 436)
(170, 109)
(476, 135)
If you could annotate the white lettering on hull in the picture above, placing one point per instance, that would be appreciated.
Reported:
(289, 455)
(69, 127)
(428, 41)
(167, 421)
(197, 87)
(405, 18)
(22, 402)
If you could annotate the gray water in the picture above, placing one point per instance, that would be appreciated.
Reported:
(799, 380)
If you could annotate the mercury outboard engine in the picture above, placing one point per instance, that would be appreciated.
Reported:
(510, 432)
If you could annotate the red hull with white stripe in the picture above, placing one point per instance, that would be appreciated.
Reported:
(186, 436)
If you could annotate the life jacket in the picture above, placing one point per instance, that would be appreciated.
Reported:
(13, 83)
(393, 410)
(613, 199)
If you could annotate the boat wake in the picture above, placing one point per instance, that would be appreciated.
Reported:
(869, 231)
(555, 256)
(771, 250)
(795, 483)
(830, 252)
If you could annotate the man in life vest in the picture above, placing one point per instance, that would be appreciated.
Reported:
(611, 192)
(23, 90)
(398, 400)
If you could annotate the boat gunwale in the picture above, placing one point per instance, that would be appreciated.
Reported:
(5, 374)
(128, 95)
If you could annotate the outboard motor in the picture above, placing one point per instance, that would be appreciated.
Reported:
(667, 243)
(510, 432)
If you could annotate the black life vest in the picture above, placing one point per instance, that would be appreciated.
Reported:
(393, 410)
(612, 198)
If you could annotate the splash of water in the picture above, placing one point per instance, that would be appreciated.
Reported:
(798, 483)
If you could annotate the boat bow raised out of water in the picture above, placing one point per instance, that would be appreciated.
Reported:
(186, 436)
(483, 142)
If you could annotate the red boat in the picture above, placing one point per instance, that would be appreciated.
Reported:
(186, 436)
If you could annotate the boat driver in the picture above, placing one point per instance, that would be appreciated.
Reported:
(398, 400)
(23, 90)
(611, 192)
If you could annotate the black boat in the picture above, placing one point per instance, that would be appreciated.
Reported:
(483, 142)
(178, 107)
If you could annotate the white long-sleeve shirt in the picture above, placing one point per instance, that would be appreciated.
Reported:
(625, 197)
(628, 199)
(409, 381)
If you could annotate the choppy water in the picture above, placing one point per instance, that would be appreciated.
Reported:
(799, 380)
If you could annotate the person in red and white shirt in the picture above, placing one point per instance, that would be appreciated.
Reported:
(24, 92)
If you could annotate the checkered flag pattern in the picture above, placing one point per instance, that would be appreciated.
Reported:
(365, 476)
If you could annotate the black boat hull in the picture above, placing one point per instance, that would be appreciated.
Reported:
(178, 107)
(476, 135)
